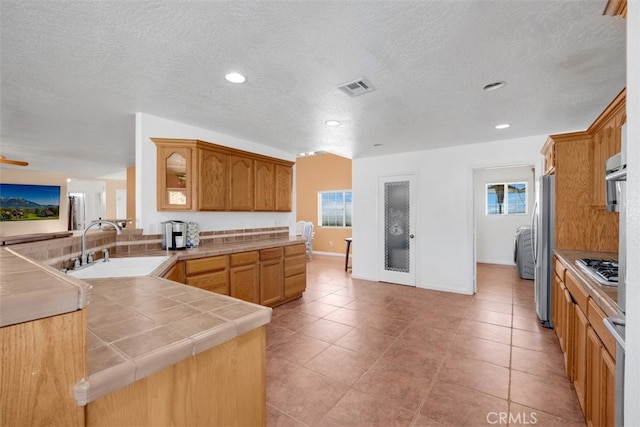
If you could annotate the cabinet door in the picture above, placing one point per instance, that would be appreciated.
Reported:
(556, 292)
(176, 273)
(608, 390)
(265, 182)
(569, 313)
(244, 283)
(175, 176)
(284, 188)
(593, 392)
(271, 281)
(241, 183)
(212, 180)
(295, 285)
(580, 355)
(606, 143)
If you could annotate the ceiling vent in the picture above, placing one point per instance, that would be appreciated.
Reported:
(357, 87)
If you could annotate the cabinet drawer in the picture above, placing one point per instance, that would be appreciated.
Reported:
(202, 265)
(215, 282)
(580, 296)
(596, 317)
(294, 250)
(295, 265)
(243, 258)
(559, 269)
(271, 253)
(294, 285)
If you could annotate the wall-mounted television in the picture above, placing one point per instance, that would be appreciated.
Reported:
(25, 202)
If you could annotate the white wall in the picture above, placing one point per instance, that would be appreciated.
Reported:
(444, 207)
(632, 375)
(495, 233)
(148, 218)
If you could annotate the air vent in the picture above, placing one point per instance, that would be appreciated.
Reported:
(357, 87)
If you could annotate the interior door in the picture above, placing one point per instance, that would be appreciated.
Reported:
(397, 227)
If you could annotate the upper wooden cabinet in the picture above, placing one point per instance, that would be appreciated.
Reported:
(549, 154)
(607, 141)
(195, 175)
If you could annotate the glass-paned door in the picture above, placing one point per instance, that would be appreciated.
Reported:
(396, 196)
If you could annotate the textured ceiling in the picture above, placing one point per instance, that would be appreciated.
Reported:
(74, 73)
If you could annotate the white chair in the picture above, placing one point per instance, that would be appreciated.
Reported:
(299, 226)
(307, 233)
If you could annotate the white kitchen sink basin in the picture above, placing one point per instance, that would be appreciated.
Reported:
(120, 267)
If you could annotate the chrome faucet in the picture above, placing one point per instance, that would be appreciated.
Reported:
(83, 254)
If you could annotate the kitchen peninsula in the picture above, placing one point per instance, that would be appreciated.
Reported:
(128, 351)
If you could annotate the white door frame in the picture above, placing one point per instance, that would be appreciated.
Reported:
(396, 277)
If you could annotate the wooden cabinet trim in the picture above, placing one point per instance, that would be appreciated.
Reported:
(270, 253)
(596, 319)
(579, 295)
(617, 106)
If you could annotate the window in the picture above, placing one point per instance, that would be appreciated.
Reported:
(507, 198)
(334, 208)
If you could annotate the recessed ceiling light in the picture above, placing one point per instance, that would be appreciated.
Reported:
(495, 86)
(503, 126)
(235, 78)
(332, 123)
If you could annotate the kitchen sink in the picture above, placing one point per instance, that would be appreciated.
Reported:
(120, 267)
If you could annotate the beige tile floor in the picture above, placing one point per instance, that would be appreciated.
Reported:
(359, 353)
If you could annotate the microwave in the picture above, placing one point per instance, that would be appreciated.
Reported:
(615, 177)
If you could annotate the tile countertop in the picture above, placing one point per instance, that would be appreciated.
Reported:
(136, 325)
(30, 290)
(605, 297)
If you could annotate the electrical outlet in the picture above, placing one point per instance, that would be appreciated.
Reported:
(330, 243)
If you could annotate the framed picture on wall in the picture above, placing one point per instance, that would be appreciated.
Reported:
(24, 202)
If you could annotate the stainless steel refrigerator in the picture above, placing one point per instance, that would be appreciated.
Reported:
(543, 233)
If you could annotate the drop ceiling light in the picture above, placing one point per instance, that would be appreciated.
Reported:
(495, 86)
(332, 123)
(235, 78)
(503, 126)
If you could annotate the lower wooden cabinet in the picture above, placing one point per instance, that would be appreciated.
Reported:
(271, 276)
(245, 276)
(588, 348)
(268, 277)
(601, 383)
(580, 326)
(209, 273)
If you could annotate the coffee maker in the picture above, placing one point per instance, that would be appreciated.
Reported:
(174, 235)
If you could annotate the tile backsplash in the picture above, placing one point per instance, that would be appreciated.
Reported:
(58, 253)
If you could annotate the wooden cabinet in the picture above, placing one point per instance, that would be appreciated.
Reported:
(175, 178)
(284, 188)
(195, 175)
(549, 154)
(265, 182)
(580, 326)
(241, 192)
(295, 270)
(600, 394)
(577, 160)
(271, 276)
(210, 273)
(213, 180)
(244, 276)
(588, 347)
(176, 273)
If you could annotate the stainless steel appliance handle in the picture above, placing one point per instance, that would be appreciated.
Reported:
(610, 323)
(534, 233)
(620, 175)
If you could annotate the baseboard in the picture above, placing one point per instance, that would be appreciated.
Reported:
(330, 253)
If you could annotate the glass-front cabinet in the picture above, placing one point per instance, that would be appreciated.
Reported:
(175, 178)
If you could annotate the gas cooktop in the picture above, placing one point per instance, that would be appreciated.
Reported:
(604, 271)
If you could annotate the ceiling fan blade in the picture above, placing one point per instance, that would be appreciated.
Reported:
(4, 160)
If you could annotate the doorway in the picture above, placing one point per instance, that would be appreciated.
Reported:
(397, 223)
